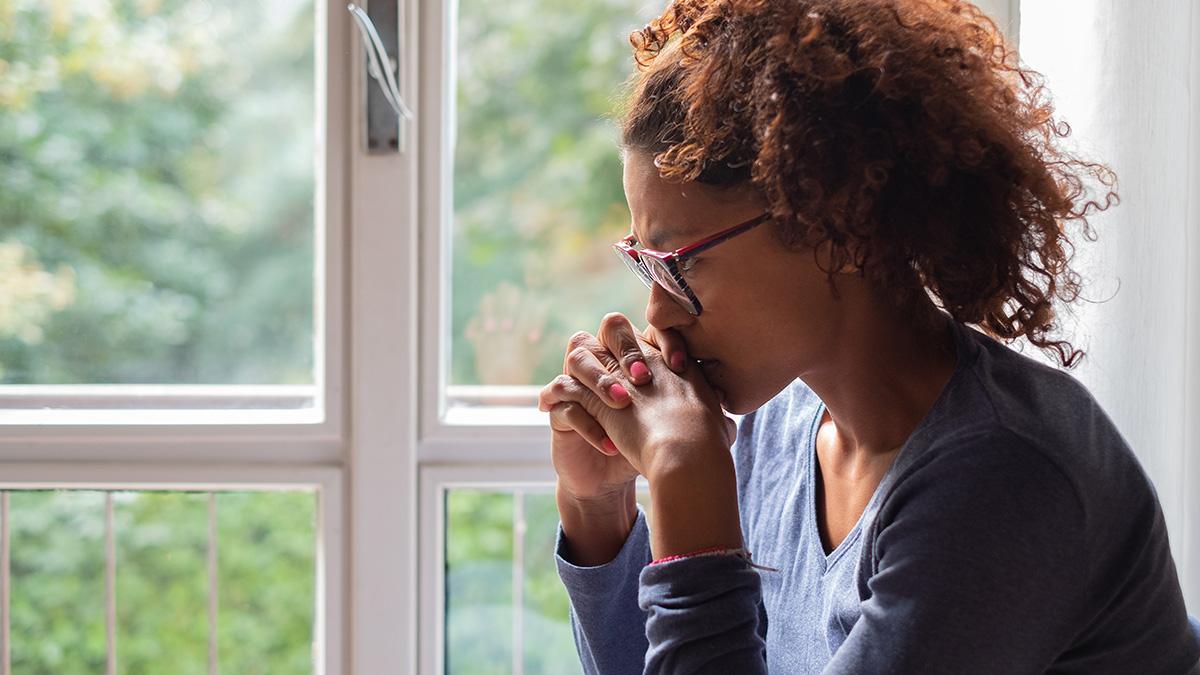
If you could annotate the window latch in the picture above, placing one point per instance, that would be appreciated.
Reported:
(385, 109)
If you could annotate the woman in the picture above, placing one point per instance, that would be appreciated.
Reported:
(825, 194)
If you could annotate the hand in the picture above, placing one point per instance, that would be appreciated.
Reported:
(588, 465)
(673, 414)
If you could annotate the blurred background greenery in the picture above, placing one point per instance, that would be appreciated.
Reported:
(156, 221)
(266, 582)
(493, 536)
(157, 225)
(537, 183)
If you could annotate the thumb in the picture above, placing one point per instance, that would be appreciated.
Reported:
(670, 343)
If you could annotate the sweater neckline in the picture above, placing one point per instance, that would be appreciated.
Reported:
(964, 356)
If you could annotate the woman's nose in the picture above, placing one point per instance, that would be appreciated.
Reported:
(663, 311)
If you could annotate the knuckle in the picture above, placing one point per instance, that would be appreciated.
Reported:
(562, 384)
(630, 353)
(578, 339)
(604, 381)
(613, 319)
(578, 357)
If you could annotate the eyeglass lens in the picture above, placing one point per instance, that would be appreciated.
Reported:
(654, 271)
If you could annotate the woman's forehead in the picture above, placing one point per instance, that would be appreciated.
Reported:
(662, 212)
(666, 214)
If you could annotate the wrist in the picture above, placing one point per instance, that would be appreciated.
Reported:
(683, 462)
(695, 510)
(595, 529)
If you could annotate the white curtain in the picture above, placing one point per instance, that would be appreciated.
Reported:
(1126, 76)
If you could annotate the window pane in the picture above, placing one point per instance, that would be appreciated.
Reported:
(56, 562)
(158, 204)
(479, 569)
(266, 558)
(499, 544)
(266, 580)
(537, 184)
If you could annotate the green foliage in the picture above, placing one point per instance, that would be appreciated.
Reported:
(159, 155)
(479, 585)
(537, 184)
(265, 570)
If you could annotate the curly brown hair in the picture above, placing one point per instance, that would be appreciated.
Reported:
(902, 137)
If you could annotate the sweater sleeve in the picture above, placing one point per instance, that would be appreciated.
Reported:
(703, 616)
(980, 567)
(608, 625)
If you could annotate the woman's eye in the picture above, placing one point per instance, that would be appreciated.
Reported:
(687, 265)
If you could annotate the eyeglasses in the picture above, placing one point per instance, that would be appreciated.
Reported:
(664, 267)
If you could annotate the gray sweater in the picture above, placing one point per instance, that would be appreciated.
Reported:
(1015, 532)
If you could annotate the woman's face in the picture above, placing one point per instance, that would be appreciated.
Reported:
(768, 313)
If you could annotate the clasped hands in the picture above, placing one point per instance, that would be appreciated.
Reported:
(618, 394)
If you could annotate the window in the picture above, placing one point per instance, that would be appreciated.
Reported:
(160, 211)
(172, 441)
(178, 581)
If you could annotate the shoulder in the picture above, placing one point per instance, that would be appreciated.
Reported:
(1053, 416)
(970, 471)
(991, 505)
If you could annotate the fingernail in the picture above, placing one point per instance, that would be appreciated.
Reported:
(639, 370)
(609, 445)
(677, 361)
(618, 392)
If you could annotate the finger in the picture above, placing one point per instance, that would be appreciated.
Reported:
(585, 340)
(670, 344)
(567, 388)
(619, 337)
(570, 416)
(585, 366)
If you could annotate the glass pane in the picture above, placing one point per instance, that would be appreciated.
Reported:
(162, 582)
(267, 601)
(479, 582)
(266, 580)
(537, 184)
(158, 201)
(499, 543)
(56, 562)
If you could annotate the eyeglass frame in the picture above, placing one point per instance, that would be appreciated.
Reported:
(671, 259)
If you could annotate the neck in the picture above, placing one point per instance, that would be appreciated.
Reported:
(880, 376)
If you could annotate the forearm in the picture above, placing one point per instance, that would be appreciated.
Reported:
(594, 531)
(693, 511)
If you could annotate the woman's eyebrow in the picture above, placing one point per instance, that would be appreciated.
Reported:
(655, 239)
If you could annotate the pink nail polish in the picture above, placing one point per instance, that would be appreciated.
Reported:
(638, 370)
(618, 392)
(677, 361)
(609, 445)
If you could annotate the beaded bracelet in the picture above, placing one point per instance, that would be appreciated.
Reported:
(740, 552)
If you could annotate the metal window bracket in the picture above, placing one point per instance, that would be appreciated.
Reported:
(386, 112)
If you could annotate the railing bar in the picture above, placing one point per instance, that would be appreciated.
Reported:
(110, 584)
(212, 583)
(5, 585)
(518, 581)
